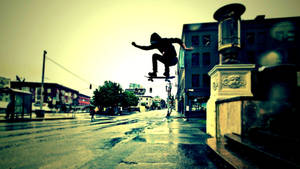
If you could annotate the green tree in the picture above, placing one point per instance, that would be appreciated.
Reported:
(129, 99)
(111, 95)
(108, 95)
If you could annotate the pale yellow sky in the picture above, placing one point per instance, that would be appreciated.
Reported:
(92, 38)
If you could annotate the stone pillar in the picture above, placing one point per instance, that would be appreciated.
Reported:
(227, 81)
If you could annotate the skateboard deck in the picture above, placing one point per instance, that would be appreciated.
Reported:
(150, 78)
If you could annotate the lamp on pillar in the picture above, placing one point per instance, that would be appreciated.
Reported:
(229, 18)
(229, 79)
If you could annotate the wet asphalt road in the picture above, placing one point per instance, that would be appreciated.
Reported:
(140, 140)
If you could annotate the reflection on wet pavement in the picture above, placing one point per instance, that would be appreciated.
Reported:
(141, 140)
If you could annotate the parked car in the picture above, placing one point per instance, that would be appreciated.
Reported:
(36, 106)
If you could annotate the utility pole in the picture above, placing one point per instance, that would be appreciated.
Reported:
(42, 85)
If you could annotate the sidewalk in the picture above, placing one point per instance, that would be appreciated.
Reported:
(48, 116)
(175, 142)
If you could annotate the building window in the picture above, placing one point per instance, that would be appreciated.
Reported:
(291, 36)
(279, 35)
(195, 40)
(262, 37)
(250, 36)
(251, 56)
(206, 40)
(292, 56)
(195, 80)
(206, 58)
(206, 80)
(195, 59)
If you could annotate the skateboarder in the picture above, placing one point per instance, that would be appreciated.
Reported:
(165, 46)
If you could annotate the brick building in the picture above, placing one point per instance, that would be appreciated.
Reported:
(264, 41)
(55, 95)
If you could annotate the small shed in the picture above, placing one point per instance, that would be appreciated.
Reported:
(21, 102)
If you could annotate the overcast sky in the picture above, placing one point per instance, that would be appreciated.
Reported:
(92, 38)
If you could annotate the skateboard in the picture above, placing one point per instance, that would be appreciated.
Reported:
(150, 78)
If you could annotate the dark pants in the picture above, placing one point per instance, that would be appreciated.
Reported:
(167, 60)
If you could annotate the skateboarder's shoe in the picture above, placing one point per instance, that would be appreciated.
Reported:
(167, 74)
(152, 74)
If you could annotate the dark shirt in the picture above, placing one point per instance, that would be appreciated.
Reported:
(165, 45)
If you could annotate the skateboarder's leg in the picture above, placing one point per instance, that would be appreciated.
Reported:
(155, 58)
(170, 60)
(167, 70)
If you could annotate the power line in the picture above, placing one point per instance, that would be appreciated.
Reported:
(61, 66)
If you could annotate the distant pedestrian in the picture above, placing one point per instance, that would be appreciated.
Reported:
(92, 113)
(120, 110)
(10, 110)
(170, 105)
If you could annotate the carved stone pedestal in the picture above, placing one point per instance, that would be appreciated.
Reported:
(227, 81)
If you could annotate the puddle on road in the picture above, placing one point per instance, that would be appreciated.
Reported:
(4, 147)
(112, 142)
(139, 139)
(128, 162)
(127, 122)
(195, 155)
(101, 122)
(135, 131)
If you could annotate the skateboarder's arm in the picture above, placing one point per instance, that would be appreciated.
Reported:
(179, 41)
(185, 48)
(142, 47)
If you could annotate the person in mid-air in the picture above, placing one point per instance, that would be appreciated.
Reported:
(165, 46)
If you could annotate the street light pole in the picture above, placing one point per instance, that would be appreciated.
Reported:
(42, 85)
(169, 99)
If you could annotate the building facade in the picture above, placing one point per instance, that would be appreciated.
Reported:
(83, 100)
(264, 42)
(145, 101)
(55, 95)
(137, 89)
(193, 66)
